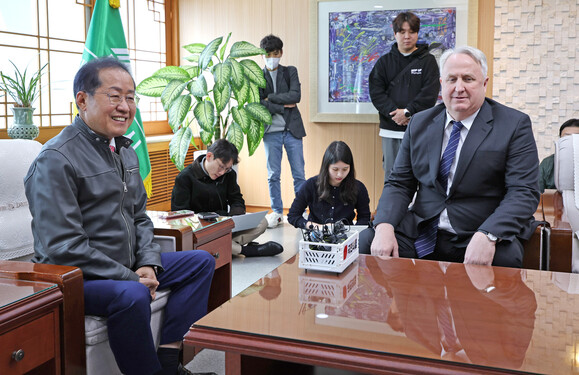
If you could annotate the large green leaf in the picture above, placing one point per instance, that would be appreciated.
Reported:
(253, 72)
(172, 92)
(241, 94)
(206, 137)
(152, 86)
(192, 70)
(241, 117)
(235, 135)
(254, 136)
(259, 112)
(178, 111)
(252, 92)
(199, 86)
(221, 96)
(179, 146)
(205, 115)
(194, 47)
(237, 76)
(172, 72)
(208, 52)
(224, 47)
(221, 73)
(245, 49)
(192, 58)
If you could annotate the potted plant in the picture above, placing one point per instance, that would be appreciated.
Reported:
(216, 96)
(24, 92)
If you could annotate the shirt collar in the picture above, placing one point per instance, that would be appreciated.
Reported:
(467, 122)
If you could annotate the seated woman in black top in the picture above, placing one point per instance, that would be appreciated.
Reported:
(332, 195)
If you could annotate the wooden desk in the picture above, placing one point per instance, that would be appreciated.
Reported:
(214, 237)
(395, 316)
(29, 327)
(560, 246)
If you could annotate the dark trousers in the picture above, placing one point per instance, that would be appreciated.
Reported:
(126, 305)
(449, 248)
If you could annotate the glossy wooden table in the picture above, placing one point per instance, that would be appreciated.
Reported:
(396, 316)
(215, 237)
(29, 327)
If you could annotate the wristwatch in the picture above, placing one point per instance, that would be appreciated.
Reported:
(407, 113)
(490, 236)
(489, 288)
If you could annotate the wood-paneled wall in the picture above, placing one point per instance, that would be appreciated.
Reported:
(251, 20)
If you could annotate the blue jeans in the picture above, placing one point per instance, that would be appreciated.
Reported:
(126, 304)
(274, 144)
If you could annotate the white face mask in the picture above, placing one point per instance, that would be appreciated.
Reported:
(271, 62)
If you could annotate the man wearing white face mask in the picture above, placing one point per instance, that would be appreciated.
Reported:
(280, 97)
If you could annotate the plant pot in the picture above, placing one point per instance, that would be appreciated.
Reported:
(22, 126)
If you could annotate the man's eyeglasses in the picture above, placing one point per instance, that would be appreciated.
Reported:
(221, 167)
(114, 99)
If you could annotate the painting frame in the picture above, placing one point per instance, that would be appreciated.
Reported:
(321, 110)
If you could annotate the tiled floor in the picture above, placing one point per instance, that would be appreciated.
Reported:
(245, 272)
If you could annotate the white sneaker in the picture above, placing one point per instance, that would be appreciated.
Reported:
(273, 219)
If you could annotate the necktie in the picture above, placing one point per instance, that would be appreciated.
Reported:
(112, 148)
(426, 240)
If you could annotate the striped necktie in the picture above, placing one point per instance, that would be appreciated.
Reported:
(426, 240)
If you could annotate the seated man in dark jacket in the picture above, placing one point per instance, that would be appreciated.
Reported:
(210, 184)
(88, 206)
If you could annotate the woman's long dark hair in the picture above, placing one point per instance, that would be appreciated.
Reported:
(338, 151)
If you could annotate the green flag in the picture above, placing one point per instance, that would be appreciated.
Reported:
(106, 37)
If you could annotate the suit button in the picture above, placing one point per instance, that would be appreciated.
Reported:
(448, 201)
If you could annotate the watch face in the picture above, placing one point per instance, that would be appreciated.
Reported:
(407, 114)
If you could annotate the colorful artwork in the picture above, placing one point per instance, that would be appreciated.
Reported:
(358, 39)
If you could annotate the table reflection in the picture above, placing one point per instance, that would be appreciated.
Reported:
(438, 305)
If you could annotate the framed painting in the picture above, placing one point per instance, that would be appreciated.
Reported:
(348, 37)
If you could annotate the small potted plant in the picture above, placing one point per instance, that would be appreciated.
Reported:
(216, 96)
(24, 92)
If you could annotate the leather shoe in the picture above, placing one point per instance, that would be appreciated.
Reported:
(183, 371)
(253, 249)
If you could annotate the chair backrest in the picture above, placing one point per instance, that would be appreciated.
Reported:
(566, 162)
(16, 155)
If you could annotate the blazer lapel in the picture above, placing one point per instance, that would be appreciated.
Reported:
(479, 130)
(268, 81)
(435, 133)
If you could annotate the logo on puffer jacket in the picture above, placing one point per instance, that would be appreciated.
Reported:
(416, 71)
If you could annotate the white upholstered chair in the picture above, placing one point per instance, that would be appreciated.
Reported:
(16, 243)
(16, 240)
(566, 171)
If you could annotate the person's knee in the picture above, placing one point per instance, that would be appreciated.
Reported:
(135, 296)
(509, 254)
(365, 239)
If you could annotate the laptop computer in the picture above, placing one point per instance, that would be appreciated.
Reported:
(247, 221)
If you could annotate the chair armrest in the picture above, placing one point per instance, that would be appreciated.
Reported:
(70, 282)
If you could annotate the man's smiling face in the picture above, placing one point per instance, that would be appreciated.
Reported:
(106, 119)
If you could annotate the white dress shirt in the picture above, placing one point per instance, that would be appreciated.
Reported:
(444, 222)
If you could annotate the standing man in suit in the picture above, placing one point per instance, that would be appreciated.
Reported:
(280, 96)
(473, 165)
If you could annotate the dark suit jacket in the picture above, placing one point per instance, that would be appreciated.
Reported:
(286, 94)
(495, 187)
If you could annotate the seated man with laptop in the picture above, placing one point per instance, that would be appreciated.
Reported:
(210, 184)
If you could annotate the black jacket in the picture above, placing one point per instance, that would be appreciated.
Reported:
(288, 92)
(86, 212)
(195, 190)
(416, 91)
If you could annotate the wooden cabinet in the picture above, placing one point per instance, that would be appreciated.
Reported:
(214, 237)
(29, 327)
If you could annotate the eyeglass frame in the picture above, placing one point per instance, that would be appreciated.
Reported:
(133, 103)
(221, 167)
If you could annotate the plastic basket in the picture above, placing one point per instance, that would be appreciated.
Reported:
(328, 289)
(333, 257)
